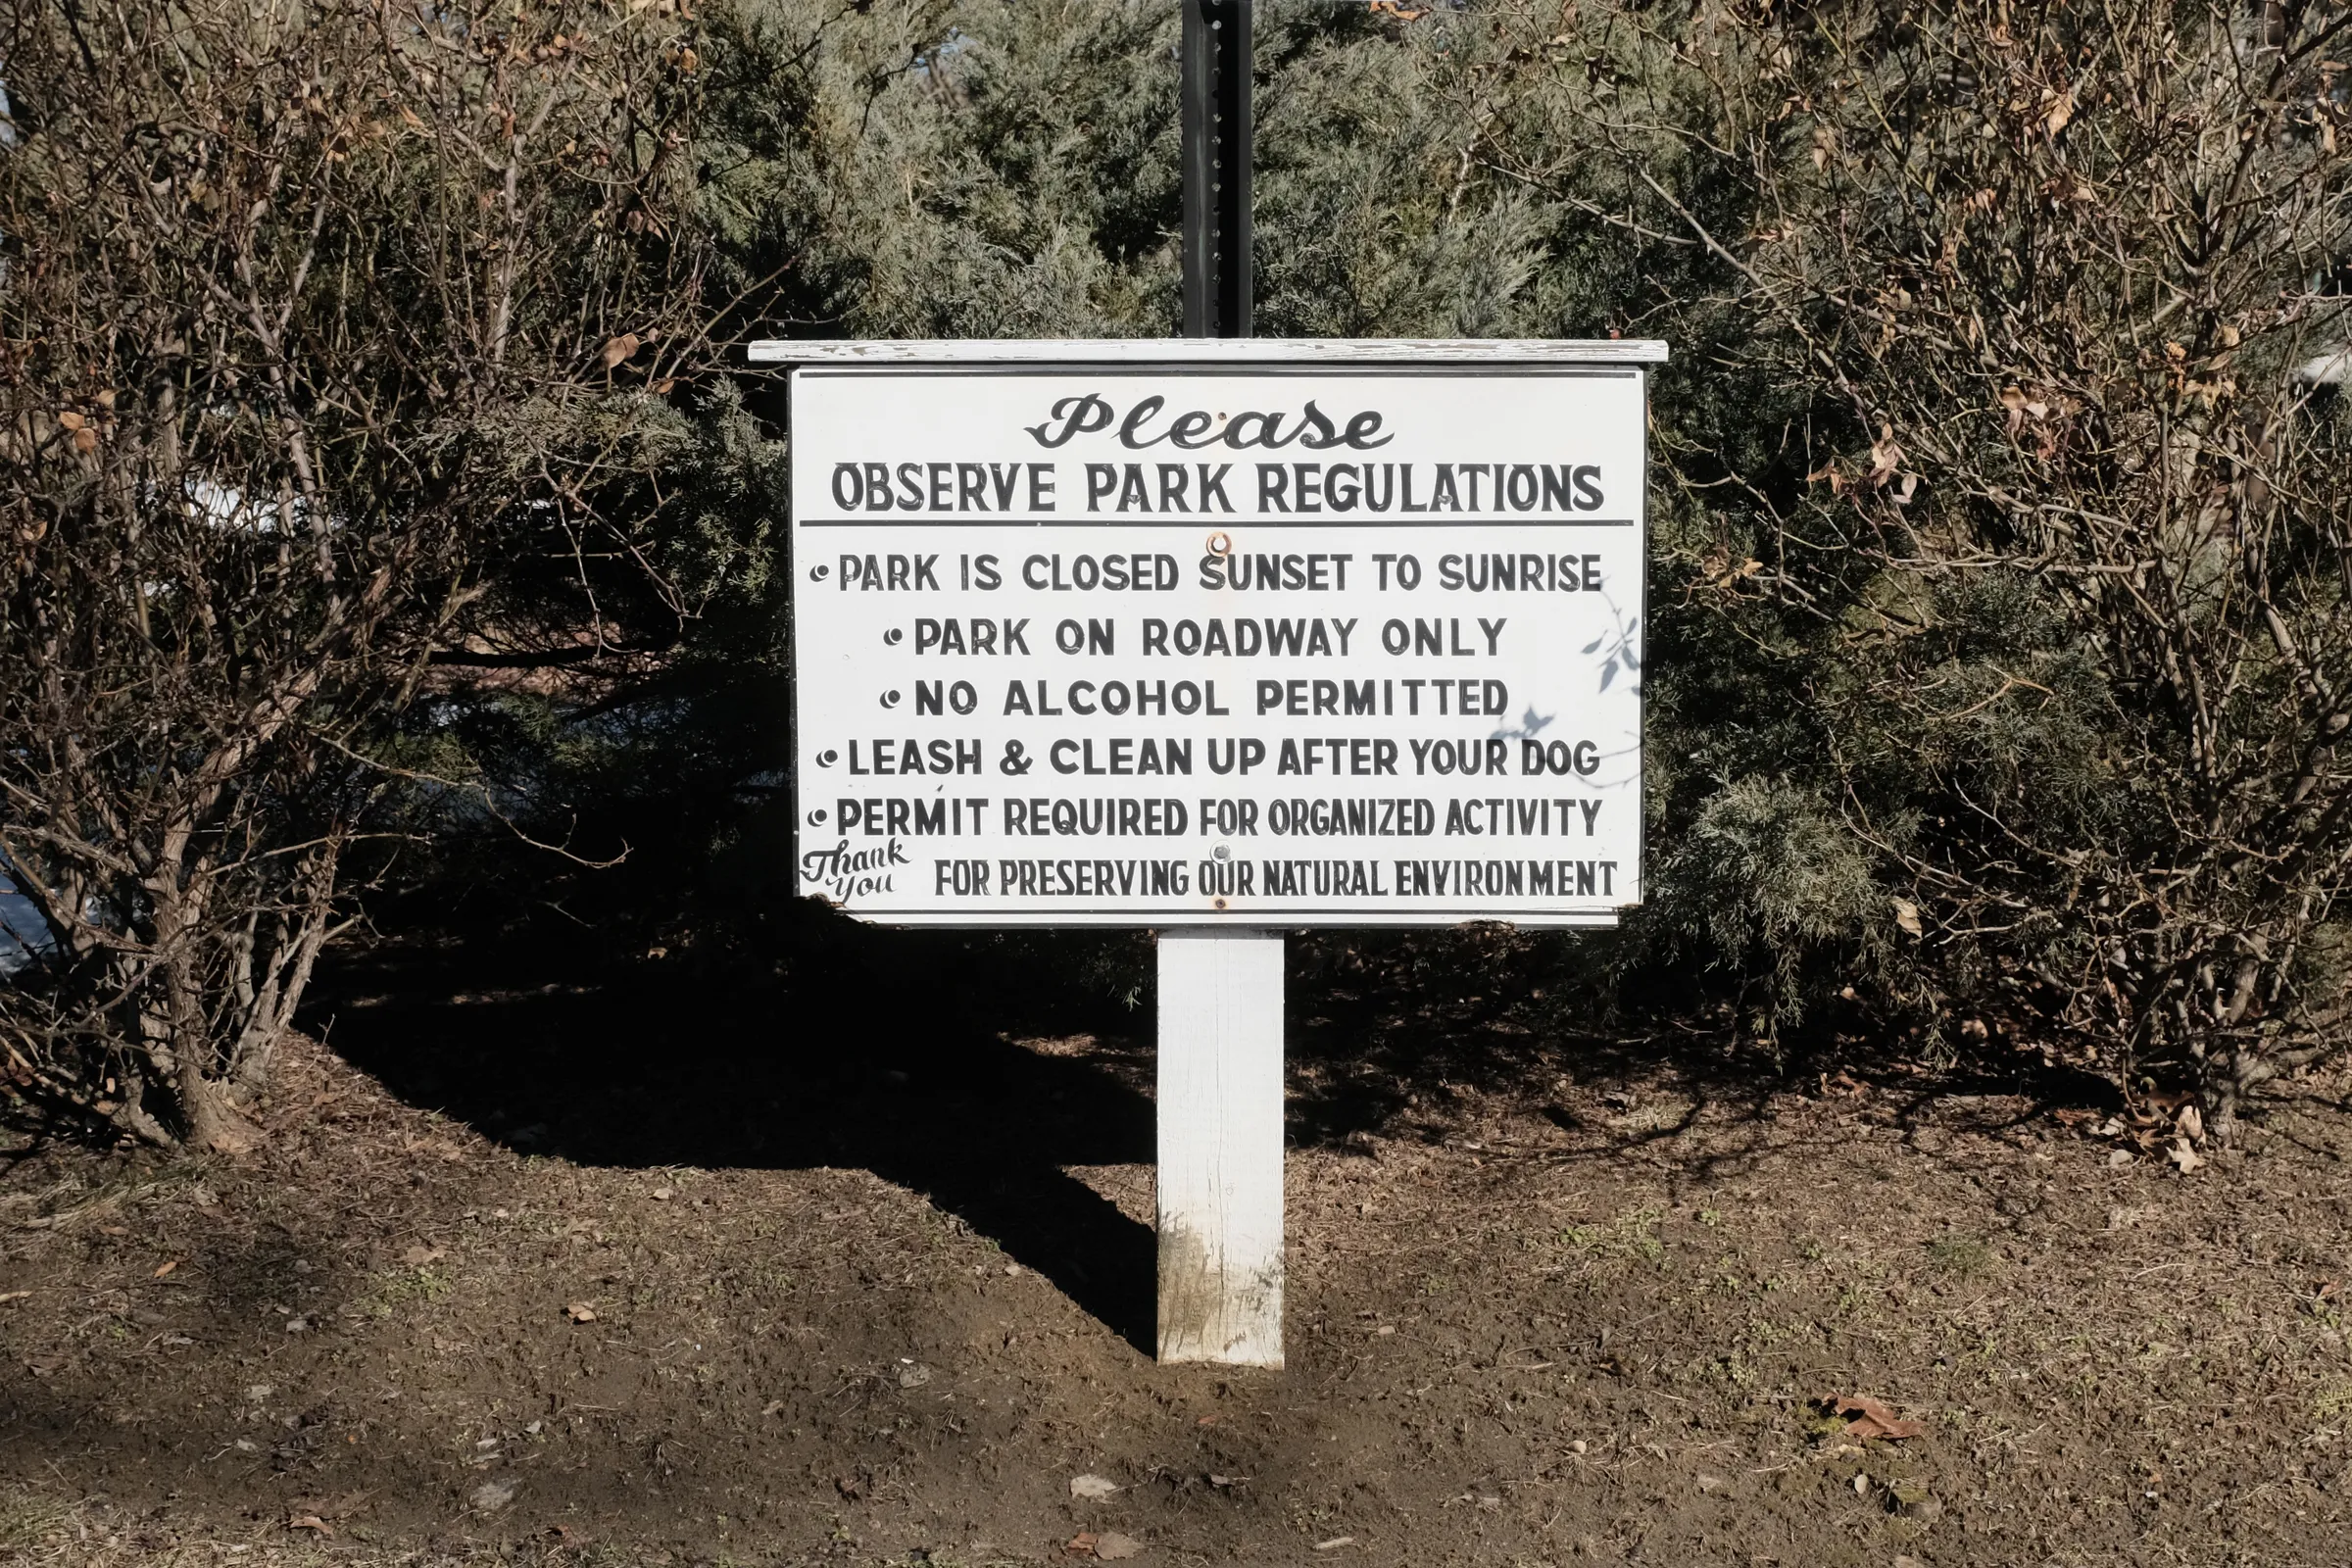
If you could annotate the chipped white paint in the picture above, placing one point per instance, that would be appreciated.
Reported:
(1220, 1148)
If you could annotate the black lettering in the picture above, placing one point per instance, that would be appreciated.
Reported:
(1079, 416)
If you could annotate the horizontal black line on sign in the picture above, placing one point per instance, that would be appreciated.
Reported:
(1215, 521)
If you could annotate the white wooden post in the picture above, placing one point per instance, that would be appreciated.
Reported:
(1220, 1148)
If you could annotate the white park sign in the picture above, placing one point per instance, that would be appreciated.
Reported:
(1219, 633)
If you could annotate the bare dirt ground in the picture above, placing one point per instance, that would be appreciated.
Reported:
(478, 1303)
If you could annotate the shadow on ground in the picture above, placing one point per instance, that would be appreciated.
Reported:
(975, 1068)
(872, 1049)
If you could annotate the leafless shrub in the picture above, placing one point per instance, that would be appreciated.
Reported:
(2052, 300)
(314, 318)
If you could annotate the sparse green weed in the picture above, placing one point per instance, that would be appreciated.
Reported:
(1631, 1235)
(2335, 1402)
(404, 1287)
(1960, 1255)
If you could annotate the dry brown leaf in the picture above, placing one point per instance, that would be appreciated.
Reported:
(619, 349)
(1081, 1545)
(1873, 1418)
(1885, 455)
(580, 1313)
(2180, 1155)
(310, 1521)
(231, 1142)
(1111, 1547)
(162, 1269)
(340, 1506)
(1906, 915)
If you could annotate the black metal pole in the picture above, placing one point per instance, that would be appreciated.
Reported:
(1216, 167)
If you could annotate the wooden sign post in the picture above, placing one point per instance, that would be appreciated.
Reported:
(1220, 1147)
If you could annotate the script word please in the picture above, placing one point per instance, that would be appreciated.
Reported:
(1312, 429)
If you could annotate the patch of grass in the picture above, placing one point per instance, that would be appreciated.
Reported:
(2335, 1402)
(27, 1520)
(1960, 1255)
(1632, 1234)
(404, 1287)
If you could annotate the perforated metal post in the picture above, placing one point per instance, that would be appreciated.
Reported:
(1216, 167)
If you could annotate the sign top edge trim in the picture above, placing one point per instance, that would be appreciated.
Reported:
(1209, 351)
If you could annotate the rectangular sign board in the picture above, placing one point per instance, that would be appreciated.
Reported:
(1219, 633)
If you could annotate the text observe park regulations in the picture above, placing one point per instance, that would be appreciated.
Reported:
(1259, 642)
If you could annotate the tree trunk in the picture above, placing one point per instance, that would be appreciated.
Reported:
(2231, 1076)
(213, 1123)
